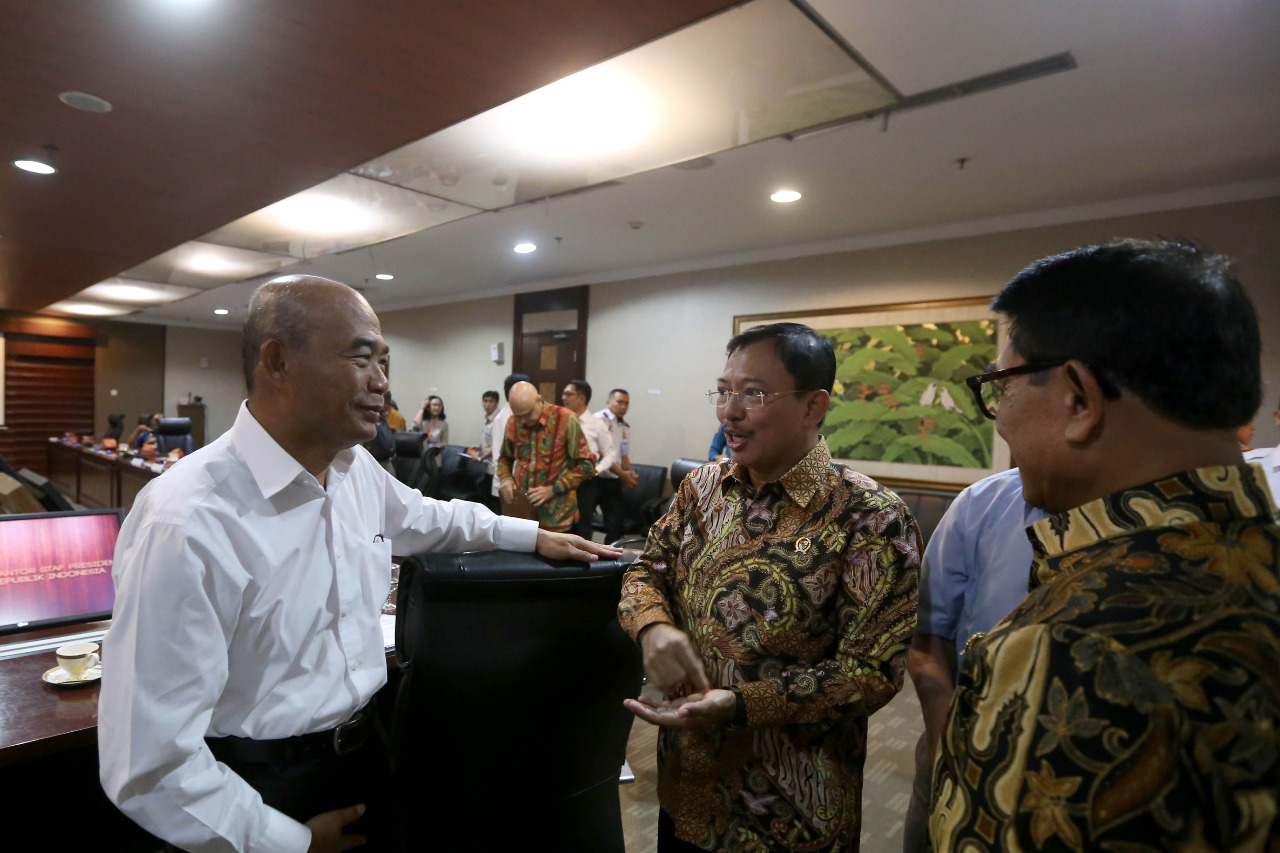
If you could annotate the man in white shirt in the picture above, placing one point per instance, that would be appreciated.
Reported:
(246, 642)
(576, 396)
(1269, 459)
(500, 429)
(622, 475)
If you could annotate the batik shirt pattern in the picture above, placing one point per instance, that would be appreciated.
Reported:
(553, 452)
(1132, 702)
(802, 596)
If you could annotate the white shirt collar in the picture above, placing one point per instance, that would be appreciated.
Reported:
(272, 467)
(1269, 456)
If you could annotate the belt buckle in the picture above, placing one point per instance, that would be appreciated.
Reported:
(349, 736)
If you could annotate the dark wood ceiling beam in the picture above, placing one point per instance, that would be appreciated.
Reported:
(223, 109)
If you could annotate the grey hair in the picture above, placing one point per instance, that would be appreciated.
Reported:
(279, 310)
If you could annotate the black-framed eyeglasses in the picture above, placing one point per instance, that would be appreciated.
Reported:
(987, 392)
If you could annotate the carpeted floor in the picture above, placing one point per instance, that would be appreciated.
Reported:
(891, 742)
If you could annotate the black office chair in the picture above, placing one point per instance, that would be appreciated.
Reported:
(681, 468)
(115, 427)
(461, 477)
(174, 434)
(408, 458)
(513, 672)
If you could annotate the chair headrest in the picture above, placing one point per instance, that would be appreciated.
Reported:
(681, 469)
(115, 420)
(174, 426)
(408, 444)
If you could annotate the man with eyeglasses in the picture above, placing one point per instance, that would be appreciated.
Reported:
(774, 604)
(1132, 701)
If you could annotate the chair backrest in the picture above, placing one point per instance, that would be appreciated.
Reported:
(115, 427)
(681, 469)
(408, 458)
(927, 505)
(642, 504)
(174, 433)
(513, 672)
(460, 476)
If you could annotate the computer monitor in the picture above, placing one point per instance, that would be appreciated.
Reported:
(55, 568)
(47, 492)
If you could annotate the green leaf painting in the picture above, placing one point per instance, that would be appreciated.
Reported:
(900, 394)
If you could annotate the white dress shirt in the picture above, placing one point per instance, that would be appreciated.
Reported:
(1269, 459)
(499, 435)
(600, 440)
(620, 432)
(248, 599)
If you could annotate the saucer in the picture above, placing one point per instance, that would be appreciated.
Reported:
(62, 678)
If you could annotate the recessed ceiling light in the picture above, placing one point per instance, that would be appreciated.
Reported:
(384, 276)
(40, 168)
(221, 311)
(785, 196)
(524, 248)
(85, 102)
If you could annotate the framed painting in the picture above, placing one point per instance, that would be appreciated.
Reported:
(900, 411)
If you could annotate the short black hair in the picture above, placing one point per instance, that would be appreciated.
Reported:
(806, 355)
(1162, 318)
(620, 391)
(512, 380)
(583, 388)
(490, 395)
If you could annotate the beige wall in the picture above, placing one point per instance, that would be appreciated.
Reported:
(444, 350)
(668, 333)
(204, 363)
(128, 373)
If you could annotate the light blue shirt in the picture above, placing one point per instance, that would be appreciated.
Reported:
(978, 562)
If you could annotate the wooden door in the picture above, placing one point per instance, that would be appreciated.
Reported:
(551, 339)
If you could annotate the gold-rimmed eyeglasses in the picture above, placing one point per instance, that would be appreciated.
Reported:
(750, 399)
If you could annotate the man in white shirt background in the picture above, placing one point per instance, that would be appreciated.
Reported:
(1269, 459)
(620, 476)
(500, 430)
(246, 643)
(576, 396)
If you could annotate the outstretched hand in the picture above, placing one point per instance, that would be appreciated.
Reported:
(685, 712)
(567, 546)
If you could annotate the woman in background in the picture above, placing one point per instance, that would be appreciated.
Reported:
(430, 422)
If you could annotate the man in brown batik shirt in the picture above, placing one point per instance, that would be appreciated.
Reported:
(774, 604)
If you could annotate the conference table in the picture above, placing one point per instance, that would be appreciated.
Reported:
(98, 479)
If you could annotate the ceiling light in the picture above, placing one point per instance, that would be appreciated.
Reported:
(87, 309)
(85, 102)
(785, 196)
(37, 166)
(135, 292)
(221, 311)
(384, 276)
(525, 248)
(210, 263)
(321, 214)
(595, 111)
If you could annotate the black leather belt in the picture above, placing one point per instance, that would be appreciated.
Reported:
(339, 740)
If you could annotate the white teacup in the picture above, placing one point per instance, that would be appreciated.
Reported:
(77, 658)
